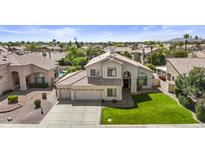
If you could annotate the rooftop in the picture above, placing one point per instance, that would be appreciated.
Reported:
(184, 65)
(79, 78)
(117, 57)
(21, 60)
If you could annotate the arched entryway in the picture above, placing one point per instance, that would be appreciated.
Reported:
(15, 80)
(127, 80)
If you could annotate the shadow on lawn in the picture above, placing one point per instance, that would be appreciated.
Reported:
(140, 98)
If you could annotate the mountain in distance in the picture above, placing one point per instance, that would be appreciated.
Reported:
(183, 39)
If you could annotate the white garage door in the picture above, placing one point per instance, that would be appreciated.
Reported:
(86, 94)
(64, 93)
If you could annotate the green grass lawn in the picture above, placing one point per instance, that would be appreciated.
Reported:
(154, 108)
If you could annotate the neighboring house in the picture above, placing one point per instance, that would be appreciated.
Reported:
(179, 66)
(104, 77)
(20, 71)
(118, 49)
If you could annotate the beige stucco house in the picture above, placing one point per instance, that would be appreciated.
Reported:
(105, 77)
(179, 66)
(18, 71)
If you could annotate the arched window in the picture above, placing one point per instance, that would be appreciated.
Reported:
(142, 79)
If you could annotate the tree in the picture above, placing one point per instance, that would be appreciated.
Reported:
(76, 43)
(196, 38)
(186, 36)
(54, 42)
(193, 83)
(79, 61)
(158, 57)
(127, 54)
(181, 44)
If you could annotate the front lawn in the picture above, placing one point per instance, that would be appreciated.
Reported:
(154, 108)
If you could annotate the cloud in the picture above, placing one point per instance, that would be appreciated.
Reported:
(60, 32)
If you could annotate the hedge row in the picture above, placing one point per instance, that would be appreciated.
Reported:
(39, 85)
(189, 104)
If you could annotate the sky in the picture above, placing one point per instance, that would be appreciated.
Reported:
(97, 33)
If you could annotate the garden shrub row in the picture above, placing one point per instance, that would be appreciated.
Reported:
(200, 112)
(186, 102)
(7, 92)
(39, 85)
(198, 108)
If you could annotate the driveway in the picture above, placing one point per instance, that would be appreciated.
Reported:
(73, 114)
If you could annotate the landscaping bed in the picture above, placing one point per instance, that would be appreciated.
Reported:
(154, 108)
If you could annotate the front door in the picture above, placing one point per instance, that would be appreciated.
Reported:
(125, 83)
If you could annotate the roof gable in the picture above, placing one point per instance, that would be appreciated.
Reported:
(117, 57)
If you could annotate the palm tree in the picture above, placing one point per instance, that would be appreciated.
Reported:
(54, 42)
(186, 36)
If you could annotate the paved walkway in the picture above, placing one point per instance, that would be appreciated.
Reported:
(126, 102)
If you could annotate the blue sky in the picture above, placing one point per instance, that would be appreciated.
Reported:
(97, 33)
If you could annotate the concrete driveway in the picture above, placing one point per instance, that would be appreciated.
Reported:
(74, 114)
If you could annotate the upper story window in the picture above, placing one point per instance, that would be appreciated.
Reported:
(169, 77)
(173, 78)
(94, 72)
(111, 71)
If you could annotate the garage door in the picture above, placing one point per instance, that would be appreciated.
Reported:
(86, 94)
(64, 93)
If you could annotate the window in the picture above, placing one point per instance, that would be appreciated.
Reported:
(142, 79)
(39, 78)
(169, 77)
(173, 78)
(111, 72)
(112, 92)
(94, 72)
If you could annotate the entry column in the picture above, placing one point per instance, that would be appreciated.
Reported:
(22, 80)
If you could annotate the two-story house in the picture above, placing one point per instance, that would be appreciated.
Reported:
(20, 71)
(105, 77)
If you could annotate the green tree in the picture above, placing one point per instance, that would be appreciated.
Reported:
(158, 57)
(193, 83)
(79, 61)
(127, 54)
(186, 36)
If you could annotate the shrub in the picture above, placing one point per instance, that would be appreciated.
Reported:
(7, 92)
(12, 99)
(186, 102)
(151, 66)
(177, 92)
(71, 69)
(37, 103)
(179, 54)
(44, 96)
(38, 85)
(200, 112)
(114, 101)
